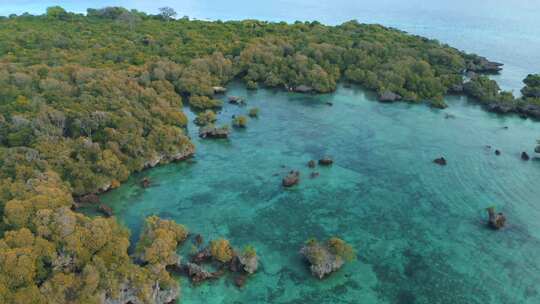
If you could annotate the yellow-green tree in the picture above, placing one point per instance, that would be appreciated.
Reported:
(221, 250)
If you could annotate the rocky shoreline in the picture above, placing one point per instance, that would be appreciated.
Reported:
(92, 198)
(523, 110)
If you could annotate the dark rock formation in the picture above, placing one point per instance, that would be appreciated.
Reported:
(322, 261)
(237, 100)
(525, 156)
(479, 64)
(197, 274)
(537, 149)
(328, 103)
(89, 199)
(497, 152)
(303, 89)
(496, 220)
(198, 240)
(501, 108)
(440, 161)
(234, 265)
(177, 268)
(105, 210)
(213, 132)
(240, 280)
(530, 110)
(312, 164)
(145, 182)
(388, 96)
(202, 256)
(291, 179)
(326, 161)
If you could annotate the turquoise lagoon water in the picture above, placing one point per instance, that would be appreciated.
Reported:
(419, 228)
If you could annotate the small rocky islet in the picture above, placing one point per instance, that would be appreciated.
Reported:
(219, 255)
(496, 220)
(328, 257)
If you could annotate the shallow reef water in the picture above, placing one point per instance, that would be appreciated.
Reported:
(419, 228)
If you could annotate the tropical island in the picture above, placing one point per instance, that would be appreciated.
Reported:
(88, 100)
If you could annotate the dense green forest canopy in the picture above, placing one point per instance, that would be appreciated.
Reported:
(86, 100)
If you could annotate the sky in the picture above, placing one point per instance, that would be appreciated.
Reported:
(329, 12)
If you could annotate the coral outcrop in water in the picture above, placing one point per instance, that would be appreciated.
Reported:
(326, 161)
(145, 182)
(223, 257)
(326, 258)
(212, 131)
(496, 220)
(198, 274)
(322, 261)
(254, 112)
(249, 260)
(202, 256)
(291, 179)
(245, 264)
(236, 100)
(240, 121)
(440, 161)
